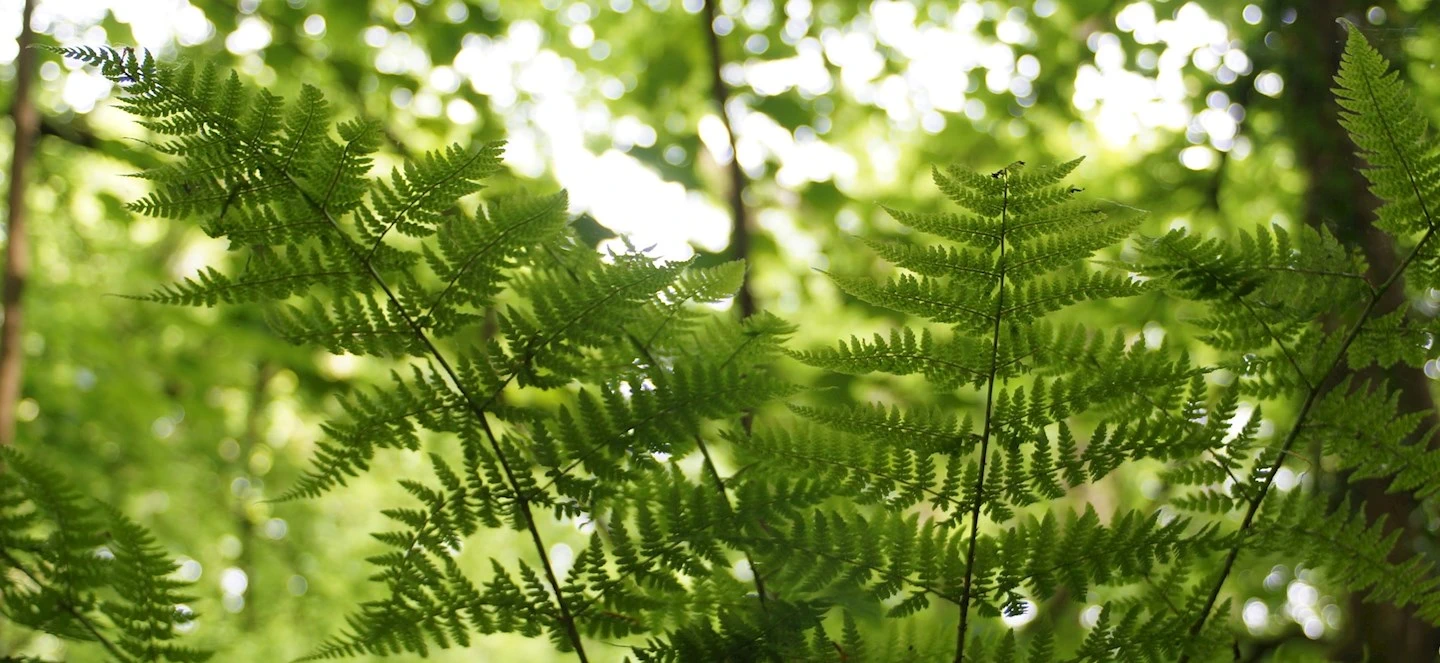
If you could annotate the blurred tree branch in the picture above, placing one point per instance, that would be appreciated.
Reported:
(720, 95)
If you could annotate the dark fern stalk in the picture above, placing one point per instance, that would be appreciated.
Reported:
(1264, 297)
(1001, 268)
(713, 472)
(643, 347)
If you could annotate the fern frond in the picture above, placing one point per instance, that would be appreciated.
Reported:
(1361, 426)
(633, 365)
(948, 364)
(473, 253)
(1027, 242)
(148, 609)
(1355, 552)
(1267, 297)
(84, 572)
(1393, 137)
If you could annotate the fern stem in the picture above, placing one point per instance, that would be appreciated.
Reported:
(657, 553)
(710, 467)
(725, 495)
(568, 620)
(1311, 397)
(1314, 390)
(521, 502)
(1405, 164)
(960, 633)
(1325, 272)
(415, 200)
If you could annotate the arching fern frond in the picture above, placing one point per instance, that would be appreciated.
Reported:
(1290, 311)
(483, 310)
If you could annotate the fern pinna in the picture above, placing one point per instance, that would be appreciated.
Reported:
(83, 572)
(601, 377)
(966, 503)
(1292, 311)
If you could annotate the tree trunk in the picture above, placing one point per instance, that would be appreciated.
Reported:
(17, 245)
(720, 95)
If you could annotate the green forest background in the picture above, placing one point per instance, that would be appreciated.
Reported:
(1213, 115)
